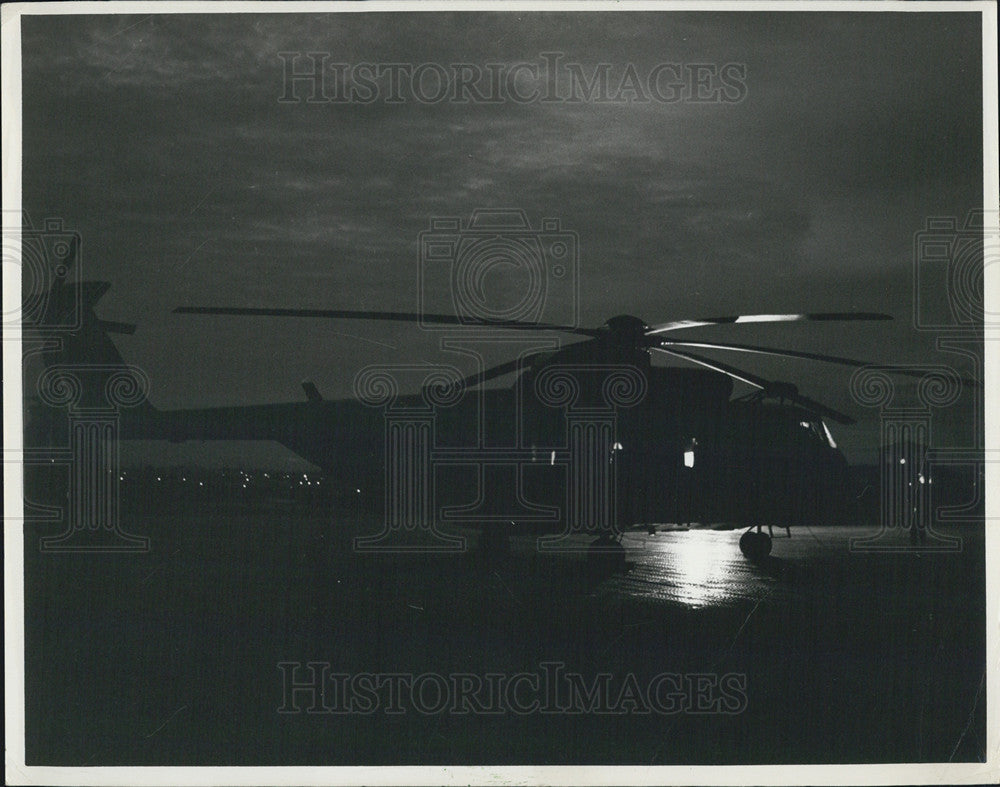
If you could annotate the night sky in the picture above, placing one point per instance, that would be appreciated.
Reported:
(162, 141)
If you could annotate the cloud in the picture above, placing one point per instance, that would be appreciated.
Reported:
(162, 140)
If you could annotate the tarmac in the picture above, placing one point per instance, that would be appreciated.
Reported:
(823, 653)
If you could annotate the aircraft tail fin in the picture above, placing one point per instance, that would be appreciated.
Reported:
(79, 343)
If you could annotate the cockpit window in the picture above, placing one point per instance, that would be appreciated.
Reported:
(819, 431)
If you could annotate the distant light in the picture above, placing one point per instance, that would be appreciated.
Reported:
(804, 424)
(902, 461)
(266, 475)
(121, 478)
(689, 458)
(922, 479)
(183, 479)
(552, 458)
(617, 447)
(158, 478)
(358, 491)
(201, 483)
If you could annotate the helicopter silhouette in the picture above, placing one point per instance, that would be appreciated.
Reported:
(685, 450)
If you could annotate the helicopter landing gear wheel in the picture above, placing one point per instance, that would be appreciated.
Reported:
(755, 546)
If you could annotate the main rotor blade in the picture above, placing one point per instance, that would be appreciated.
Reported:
(751, 348)
(494, 372)
(679, 325)
(781, 352)
(715, 366)
(759, 382)
(412, 317)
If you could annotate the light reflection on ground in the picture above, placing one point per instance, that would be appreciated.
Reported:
(696, 568)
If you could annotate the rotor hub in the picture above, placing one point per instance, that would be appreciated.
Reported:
(628, 331)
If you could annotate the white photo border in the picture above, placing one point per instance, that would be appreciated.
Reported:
(16, 772)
